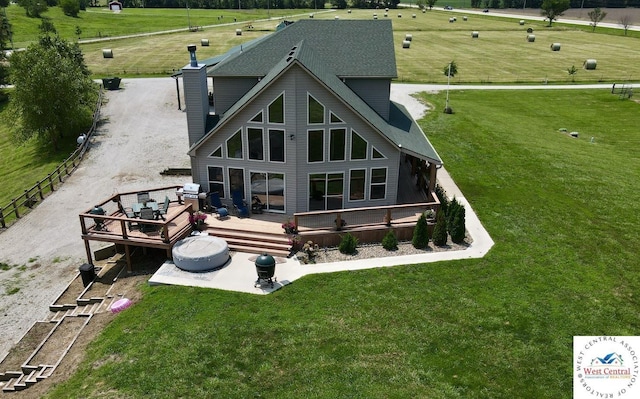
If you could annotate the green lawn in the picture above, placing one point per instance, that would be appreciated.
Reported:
(562, 213)
(24, 165)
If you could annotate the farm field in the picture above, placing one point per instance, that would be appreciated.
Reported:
(501, 53)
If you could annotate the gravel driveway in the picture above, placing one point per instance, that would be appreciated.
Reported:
(141, 134)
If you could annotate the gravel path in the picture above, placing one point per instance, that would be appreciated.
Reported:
(142, 133)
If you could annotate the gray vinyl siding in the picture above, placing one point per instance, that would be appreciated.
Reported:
(295, 84)
(307, 84)
(226, 91)
(374, 92)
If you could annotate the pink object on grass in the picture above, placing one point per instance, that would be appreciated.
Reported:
(120, 305)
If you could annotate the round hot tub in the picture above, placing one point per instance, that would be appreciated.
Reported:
(200, 253)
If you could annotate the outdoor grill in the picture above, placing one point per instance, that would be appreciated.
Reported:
(192, 195)
(266, 268)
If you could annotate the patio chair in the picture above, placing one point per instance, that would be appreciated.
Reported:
(128, 212)
(143, 197)
(146, 213)
(217, 206)
(239, 205)
(164, 208)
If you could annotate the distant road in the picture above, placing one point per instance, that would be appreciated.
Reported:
(537, 17)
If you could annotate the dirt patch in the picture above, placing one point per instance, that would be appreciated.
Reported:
(23, 349)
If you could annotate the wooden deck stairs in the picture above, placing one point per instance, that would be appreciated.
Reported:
(275, 244)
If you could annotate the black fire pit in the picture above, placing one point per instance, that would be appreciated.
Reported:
(266, 268)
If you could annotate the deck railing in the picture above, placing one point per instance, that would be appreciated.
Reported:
(27, 200)
(111, 209)
(371, 217)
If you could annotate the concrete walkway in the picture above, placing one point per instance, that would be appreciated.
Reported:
(240, 273)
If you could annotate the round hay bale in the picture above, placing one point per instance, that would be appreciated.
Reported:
(375, 16)
(408, 37)
(521, 22)
(238, 32)
(529, 30)
(555, 46)
(590, 64)
(406, 44)
(413, 15)
(204, 42)
(531, 38)
(475, 34)
(399, 15)
(336, 17)
(423, 11)
(465, 18)
(107, 53)
(348, 11)
(451, 20)
(310, 15)
(386, 14)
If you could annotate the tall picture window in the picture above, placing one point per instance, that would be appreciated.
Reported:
(315, 146)
(337, 144)
(256, 145)
(378, 183)
(356, 184)
(276, 145)
(216, 179)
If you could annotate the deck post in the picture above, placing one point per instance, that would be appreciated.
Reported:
(87, 248)
(432, 177)
(127, 253)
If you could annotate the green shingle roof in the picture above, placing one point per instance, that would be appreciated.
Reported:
(348, 48)
(401, 129)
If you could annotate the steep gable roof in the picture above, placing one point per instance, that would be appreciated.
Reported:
(353, 48)
(401, 130)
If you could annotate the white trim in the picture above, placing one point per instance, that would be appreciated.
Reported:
(284, 189)
(385, 184)
(366, 151)
(344, 149)
(226, 145)
(284, 143)
(373, 148)
(336, 115)
(221, 153)
(209, 181)
(364, 194)
(262, 141)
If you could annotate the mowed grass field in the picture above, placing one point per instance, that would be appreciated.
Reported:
(561, 213)
(501, 53)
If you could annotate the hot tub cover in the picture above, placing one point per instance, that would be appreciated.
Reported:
(200, 253)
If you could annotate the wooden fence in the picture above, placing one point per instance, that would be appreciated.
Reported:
(19, 206)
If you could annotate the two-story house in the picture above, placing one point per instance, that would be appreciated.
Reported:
(302, 118)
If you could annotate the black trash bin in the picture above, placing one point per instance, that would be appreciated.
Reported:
(88, 273)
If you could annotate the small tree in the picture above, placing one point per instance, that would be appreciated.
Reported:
(452, 209)
(451, 69)
(390, 241)
(70, 7)
(431, 3)
(421, 233)
(46, 103)
(457, 228)
(572, 72)
(625, 21)
(348, 244)
(552, 9)
(440, 229)
(33, 8)
(442, 197)
(596, 16)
